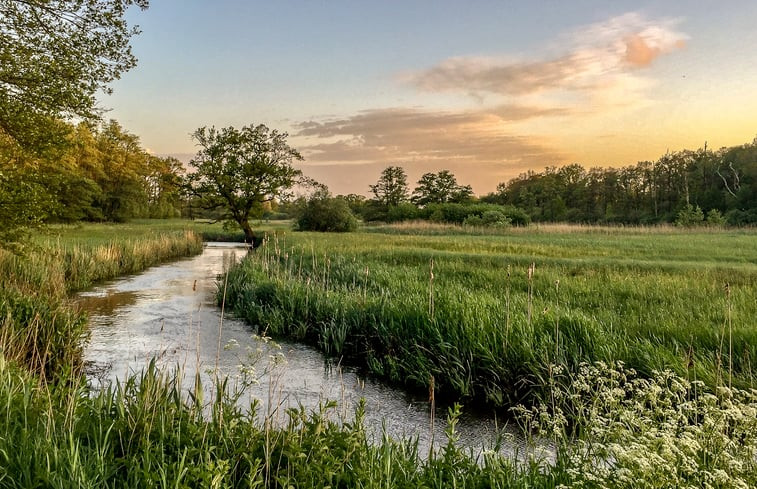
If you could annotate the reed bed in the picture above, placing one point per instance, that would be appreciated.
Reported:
(488, 316)
(39, 327)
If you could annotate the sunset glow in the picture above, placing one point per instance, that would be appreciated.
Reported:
(486, 91)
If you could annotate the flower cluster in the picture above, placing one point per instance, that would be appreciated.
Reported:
(664, 431)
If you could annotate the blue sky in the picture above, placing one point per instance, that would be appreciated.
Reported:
(485, 89)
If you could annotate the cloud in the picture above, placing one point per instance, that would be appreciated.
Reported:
(590, 71)
(615, 47)
(422, 139)
(640, 52)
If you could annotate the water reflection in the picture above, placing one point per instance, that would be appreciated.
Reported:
(168, 313)
(107, 303)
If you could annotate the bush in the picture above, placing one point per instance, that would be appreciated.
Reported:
(404, 211)
(326, 214)
(715, 218)
(740, 217)
(493, 218)
(467, 214)
(690, 216)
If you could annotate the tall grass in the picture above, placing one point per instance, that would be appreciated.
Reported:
(492, 322)
(605, 425)
(39, 327)
(149, 432)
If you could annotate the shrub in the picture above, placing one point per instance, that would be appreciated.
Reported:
(493, 218)
(467, 213)
(496, 219)
(689, 216)
(404, 211)
(716, 218)
(326, 214)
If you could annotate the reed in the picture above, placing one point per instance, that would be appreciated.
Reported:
(149, 432)
(570, 298)
(40, 327)
(367, 298)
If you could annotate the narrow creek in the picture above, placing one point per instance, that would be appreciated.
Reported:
(169, 313)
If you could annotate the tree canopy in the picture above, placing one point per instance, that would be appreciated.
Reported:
(237, 170)
(440, 188)
(648, 192)
(391, 188)
(55, 55)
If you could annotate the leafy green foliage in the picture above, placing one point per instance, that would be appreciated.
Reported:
(491, 218)
(716, 218)
(690, 216)
(649, 192)
(24, 203)
(391, 188)
(322, 212)
(54, 57)
(474, 214)
(440, 188)
(237, 170)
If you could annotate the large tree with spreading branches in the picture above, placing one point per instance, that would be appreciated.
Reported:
(237, 170)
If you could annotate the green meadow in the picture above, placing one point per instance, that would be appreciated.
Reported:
(406, 303)
(487, 316)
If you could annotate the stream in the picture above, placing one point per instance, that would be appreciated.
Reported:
(168, 313)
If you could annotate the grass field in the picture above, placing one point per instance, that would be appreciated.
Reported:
(620, 292)
(488, 316)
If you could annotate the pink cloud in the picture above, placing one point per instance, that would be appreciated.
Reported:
(478, 144)
(607, 48)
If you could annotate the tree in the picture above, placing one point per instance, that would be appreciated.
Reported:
(391, 188)
(322, 212)
(237, 170)
(164, 186)
(23, 201)
(440, 188)
(55, 55)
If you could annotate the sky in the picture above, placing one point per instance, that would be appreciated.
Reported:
(486, 89)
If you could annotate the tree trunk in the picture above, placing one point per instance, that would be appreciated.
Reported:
(249, 236)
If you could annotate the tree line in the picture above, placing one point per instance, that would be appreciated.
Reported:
(688, 187)
(720, 182)
(57, 56)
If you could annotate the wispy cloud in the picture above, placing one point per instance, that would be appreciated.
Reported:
(618, 46)
(416, 135)
(590, 71)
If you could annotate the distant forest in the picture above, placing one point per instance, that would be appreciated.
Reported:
(646, 193)
(102, 173)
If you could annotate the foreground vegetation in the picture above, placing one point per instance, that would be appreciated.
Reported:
(488, 316)
(147, 432)
(593, 425)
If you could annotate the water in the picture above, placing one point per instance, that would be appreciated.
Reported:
(168, 313)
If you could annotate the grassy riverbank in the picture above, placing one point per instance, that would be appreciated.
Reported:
(488, 316)
(39, 327)
(628, 430)
(147, 432)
